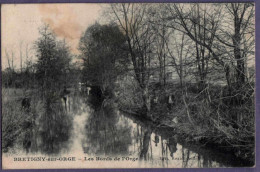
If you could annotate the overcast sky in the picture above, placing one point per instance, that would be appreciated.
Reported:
(20, 24)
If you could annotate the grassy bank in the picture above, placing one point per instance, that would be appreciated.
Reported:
(17, 123)
(41, 126)
(208, 117)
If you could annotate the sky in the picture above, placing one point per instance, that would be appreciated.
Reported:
(20, 24)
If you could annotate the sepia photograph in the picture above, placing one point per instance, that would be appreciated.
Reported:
(128, 85)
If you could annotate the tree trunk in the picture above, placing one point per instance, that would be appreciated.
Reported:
(146, 101)
(240, 68)
(227, 71)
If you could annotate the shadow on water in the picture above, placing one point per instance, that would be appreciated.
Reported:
(103, 134)
(110, 132)
(145, 145)
(165, 145)
(54, 126)
(95, 98)
(105, 131)
(50, 129)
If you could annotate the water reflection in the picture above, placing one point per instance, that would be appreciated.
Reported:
(105, 131)
(145, 145)
(172, 145)
(110, 133)
(106, 134)
(54, 125)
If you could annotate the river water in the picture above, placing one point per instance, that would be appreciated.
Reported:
(104, 137)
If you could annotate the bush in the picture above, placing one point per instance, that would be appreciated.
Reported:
(128, 95)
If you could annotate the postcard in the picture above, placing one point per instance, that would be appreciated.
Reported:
(128, 85)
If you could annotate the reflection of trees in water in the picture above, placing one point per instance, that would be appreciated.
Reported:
(95, 97)
(75, 102)
(156, 140)
(207, 162)
(143, 140)
(105, 135)
(172, 145)
(146, 142)
(54, 126)
(137, 139)
(188, 159)
(28, 136)
(185, 157)
(150, 146)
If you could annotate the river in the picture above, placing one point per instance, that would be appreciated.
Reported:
(99, 137)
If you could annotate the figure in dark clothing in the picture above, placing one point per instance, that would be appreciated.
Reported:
(26, 103)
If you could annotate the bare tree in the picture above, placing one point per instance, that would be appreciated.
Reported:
(157, 18)
(133, 21)
(240, 37)
(8, 59)
(208, 33)
(21, 56)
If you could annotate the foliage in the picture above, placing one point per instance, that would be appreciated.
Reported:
(103, 51)
(53, 60)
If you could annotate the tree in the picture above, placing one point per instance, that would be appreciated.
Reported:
(53, 61)
(103, 50)
(181, 53)
(161, 34)
(240, 37)
(212, 33)
(134, 22)
(223, 38)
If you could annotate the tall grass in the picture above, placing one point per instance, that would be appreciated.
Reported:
(43, 127)
(207, 117)
(16, 122)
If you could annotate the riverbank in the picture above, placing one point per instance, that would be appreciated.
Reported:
(39, 124)
(208, 122)
(87, 131)
(195, 146)
(190, 137)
